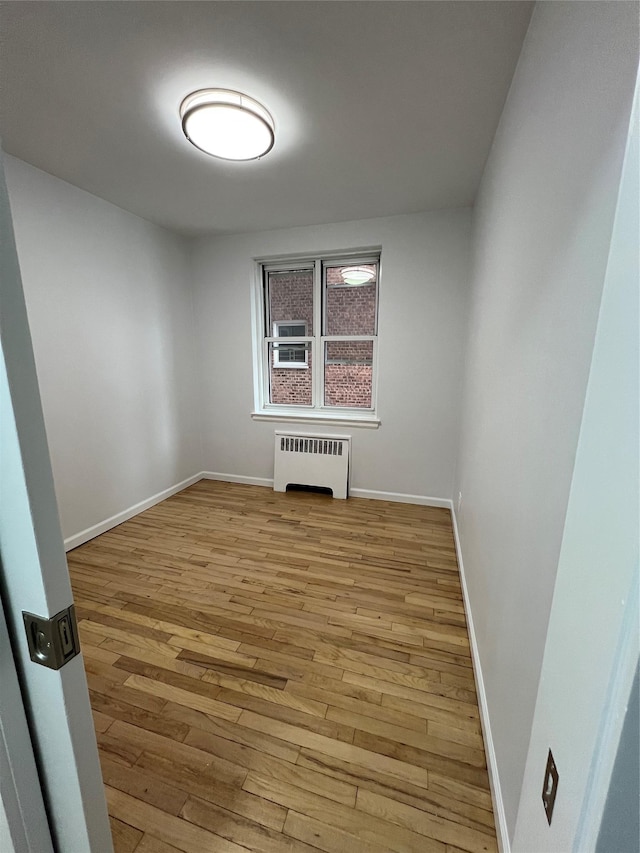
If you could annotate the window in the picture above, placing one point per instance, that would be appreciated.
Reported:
(293, 355)
(316, 338)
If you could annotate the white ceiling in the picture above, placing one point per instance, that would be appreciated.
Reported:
(380, 107)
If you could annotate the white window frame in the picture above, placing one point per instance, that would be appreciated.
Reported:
(317, 412)
(289, 365)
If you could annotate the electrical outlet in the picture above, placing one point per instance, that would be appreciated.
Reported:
(459, 501)
(550, 786)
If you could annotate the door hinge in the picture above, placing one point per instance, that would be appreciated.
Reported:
(52, 641)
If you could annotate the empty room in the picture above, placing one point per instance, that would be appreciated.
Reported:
(319, 426)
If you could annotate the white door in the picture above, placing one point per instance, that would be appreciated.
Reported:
(34, 579)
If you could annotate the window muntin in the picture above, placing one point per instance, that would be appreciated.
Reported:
(295, 299)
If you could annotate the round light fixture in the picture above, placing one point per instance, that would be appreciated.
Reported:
(357, 275)
(227, 124)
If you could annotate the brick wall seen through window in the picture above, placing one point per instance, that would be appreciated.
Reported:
(348, 365)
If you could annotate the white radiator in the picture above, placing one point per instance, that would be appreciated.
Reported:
(302, 459)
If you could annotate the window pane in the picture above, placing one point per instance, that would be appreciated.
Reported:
(290, 354)
(290, 330)
(348, 373)
(350, 309)
(289, 303)
(290, 373)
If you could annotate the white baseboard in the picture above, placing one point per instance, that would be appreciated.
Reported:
(125, 515)
(108, 523)
(504, 844)
(370, 494)
(236, 478)
(398, 497)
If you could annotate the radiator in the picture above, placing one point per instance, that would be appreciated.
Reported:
(302, 459)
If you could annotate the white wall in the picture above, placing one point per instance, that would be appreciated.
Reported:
(111, 316)
(422, 310)
(592, 643)
(542, 226)
(110, 305)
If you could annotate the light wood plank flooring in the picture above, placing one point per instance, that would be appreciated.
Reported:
(282, 673)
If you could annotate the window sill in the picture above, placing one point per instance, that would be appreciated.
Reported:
(290, 365)
(368, 421)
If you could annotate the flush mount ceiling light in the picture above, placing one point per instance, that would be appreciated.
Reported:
(227, 124)
(357, 275)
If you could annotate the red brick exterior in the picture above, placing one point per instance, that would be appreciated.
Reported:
(347, 385)
(291, 298)
(349, 311)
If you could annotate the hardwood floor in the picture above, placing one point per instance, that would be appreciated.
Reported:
(282, 672)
